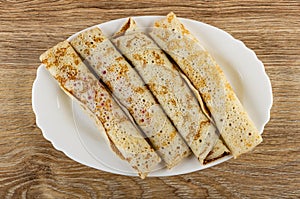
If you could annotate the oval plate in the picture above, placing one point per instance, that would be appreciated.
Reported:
(58, 116)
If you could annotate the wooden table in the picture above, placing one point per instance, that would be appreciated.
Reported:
(31, 167)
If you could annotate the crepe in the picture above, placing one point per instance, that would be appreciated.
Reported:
(125, 83)
(165, 82)
(78, 82)
(231, 119)
(219, 150)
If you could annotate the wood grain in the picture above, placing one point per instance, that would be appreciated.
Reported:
(31, 168)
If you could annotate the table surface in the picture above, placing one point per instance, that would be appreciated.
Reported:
(29, 164)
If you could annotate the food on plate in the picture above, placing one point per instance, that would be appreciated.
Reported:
(235, 126)
(167, 85)
(164, 98)
(127, 86)
(79, 83)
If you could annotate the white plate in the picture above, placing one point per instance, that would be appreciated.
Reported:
(58, 117)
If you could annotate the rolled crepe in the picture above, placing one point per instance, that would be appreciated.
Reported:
(79, 83)
(165, 82)
(219, 150)
(231, 119)
(129, 88)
